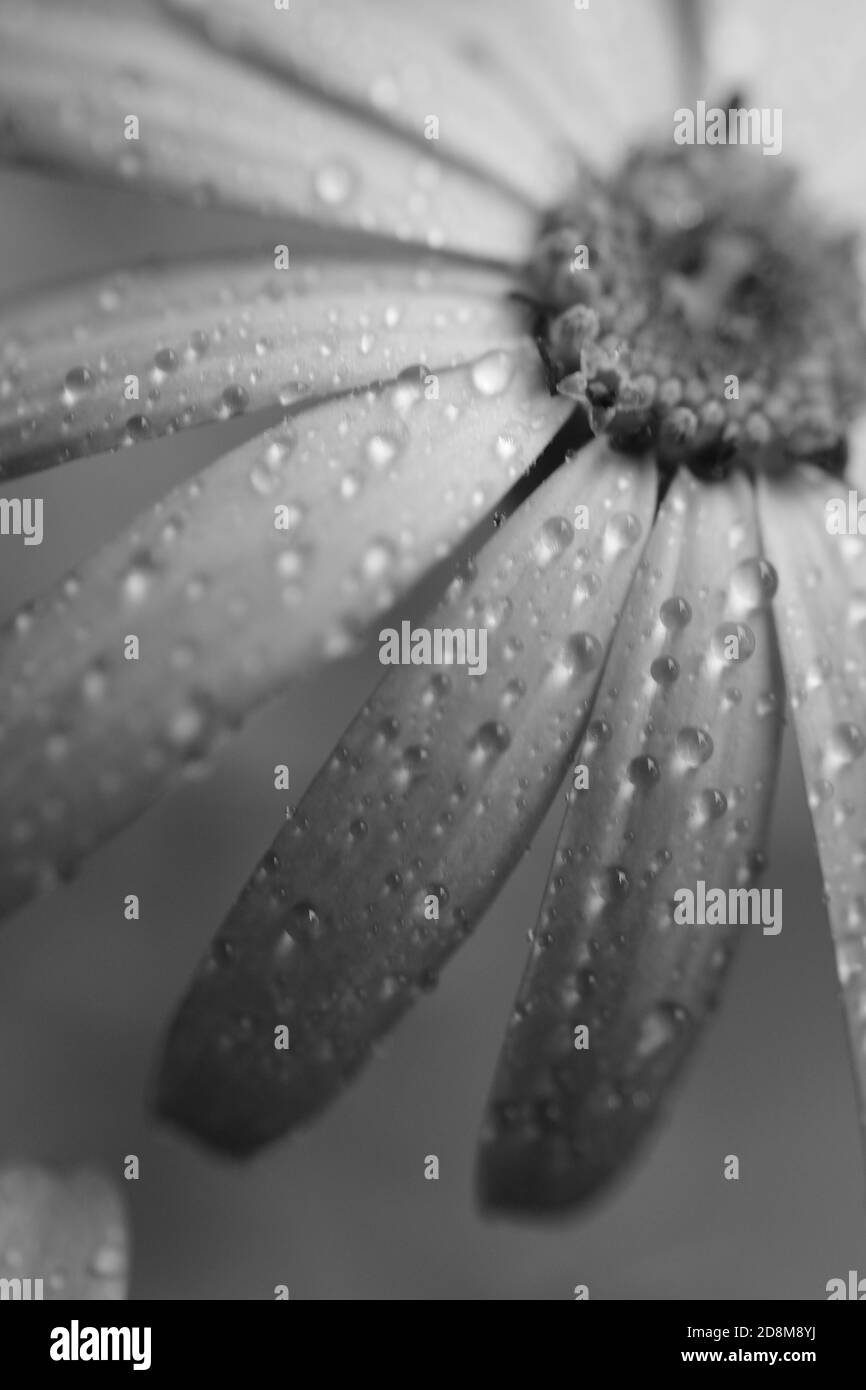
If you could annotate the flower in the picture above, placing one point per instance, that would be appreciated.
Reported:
(677, 338)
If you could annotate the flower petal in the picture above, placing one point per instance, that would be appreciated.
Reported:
(821, 619)
(424, 807)
(74, 74)
(197, 343)
(681, 758)
(279, 553)
(398, 70)
(787, 55)
(68, 1232)
(612, 72)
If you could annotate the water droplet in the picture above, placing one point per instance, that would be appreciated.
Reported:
(491, 739)
(491, 374)
(694, 746)
(138, 579)
(108, 1262)
(76, 383)
(621, 532)
(586, 587)
(579, 655)
(733, 643)
(675, 613)
(189, 726)
(643, 772)
(708, 806)
(753, 584)
(659, 1029)
(553, 539)
(305, 925)
(234, 401)
(513, 693)
(613, 884)
(334, 183)
(165, 360)
(664, 670)
(817, 672)
(381, 449)
(377, 559)
(845, 745)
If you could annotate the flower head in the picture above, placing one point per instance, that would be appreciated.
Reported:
(625, 374)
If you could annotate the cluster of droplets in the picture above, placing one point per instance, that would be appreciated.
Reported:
(692, 308)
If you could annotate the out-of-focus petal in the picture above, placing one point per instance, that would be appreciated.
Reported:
(280, 553)
(681, 756)
(75, 74)
(68, 1232)
(821, 619)
(414, 823)
(806, 61)
(609, 74)
(396, 67)
(135, 355)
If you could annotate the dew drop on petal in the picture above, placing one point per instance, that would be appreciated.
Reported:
(733, 643)
(694, 746)
(845, 745)
(643, 771)
(753, 584)
(579, 655)
(491, 739)
(234, 401)
(664, 670)
(658, 1029)
(621, 532)
(491, 374)
(76, 383)
(381, 449)
(554, 537)
(708, 806)
(675, 613)
(334, 183)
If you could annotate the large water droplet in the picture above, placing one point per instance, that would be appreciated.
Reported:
(579, 655)
(694, 746)
(621, 532)
(491, 374)
(554, 537)
(491, 739)
(733, 643)
(659, 1029)
(845, 745)
(675, 613)
(334, 183)
(753, 584)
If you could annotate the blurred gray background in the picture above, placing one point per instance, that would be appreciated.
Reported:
(343, 1211)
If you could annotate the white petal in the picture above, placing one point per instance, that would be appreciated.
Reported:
(612, 70)
(278, 554)
(200, 342)
(821, 618)
(806, 61)
(72, 73)
(68, 1232)
(399, 69)
(681, 757)
(433, 791)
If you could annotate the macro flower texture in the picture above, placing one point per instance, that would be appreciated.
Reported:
(564, 332)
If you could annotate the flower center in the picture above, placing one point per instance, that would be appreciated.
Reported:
(694, 306)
